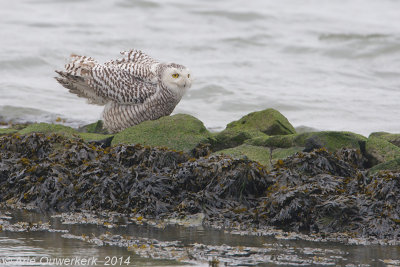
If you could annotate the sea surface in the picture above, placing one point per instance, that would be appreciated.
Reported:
(329, 65)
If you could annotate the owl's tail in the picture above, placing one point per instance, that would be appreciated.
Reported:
(77, 77)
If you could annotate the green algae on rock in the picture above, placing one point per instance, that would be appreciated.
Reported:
(331, 140)
(378, 150)
(255, 153)
(61, 129)
(96, 127)
(179, 132)
(391, 165)
(268, 121)
(260, 154)
(4, 131)
(233, 137)
(48, 128)
(392, 138)
(253, 125)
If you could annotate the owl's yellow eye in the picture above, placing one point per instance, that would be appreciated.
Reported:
(175, 75)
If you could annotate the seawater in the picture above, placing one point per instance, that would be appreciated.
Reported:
(329, 65)
(51, 249)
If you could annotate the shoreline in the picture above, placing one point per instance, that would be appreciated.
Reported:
(319, 183)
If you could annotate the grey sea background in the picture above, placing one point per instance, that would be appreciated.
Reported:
(329, 65)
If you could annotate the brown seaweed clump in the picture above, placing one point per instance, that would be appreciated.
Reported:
(313, 192)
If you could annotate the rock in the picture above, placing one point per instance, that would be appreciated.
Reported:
(378, 150)
(255, 153)
(305, 129)
(260, 154)
(178, 132)
(283, 153)
(392, 138)
(277, 141)
(4, 131)
(391, 165)
(229, 138)
(269, 121)
(256, 124)
(96, 127)
(331, 140)
(61, 129)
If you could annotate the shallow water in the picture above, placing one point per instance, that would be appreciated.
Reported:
(324, 64)
(44, 247)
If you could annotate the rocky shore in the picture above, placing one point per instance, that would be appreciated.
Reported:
(255, 174)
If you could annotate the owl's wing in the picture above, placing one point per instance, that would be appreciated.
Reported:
(118, 84)
(138, 64)
(100, 83)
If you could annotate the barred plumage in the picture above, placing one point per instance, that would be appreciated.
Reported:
(134, 88)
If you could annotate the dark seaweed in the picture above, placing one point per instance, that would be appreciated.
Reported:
(311, 192)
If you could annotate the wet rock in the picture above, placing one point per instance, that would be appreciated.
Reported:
(378, 150)
(179, 132)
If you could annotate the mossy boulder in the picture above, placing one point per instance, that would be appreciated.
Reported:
(278, 141)
(392, 138)
(4, 131)
(391, 165)
(331, 140)
(47, 128)
(282, 153)
(229, 138)
(178, 132)
(255, 153)
(260, 154)
(378, 150)
(256, 124)
(96, 127)
(269, 121)
(61, 129)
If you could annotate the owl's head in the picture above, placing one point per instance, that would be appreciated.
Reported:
(176, 78)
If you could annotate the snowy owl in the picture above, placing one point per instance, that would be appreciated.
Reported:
(133, 89)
